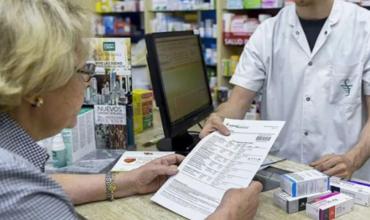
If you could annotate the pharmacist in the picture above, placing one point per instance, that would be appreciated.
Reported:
(312, 64)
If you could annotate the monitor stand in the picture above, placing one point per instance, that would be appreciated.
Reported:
(181, 144)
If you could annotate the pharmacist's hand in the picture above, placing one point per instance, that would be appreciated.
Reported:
(214, 123)
(335, 165)
(238, 204)
(150, 177)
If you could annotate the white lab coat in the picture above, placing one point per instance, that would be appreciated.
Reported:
(319, 93)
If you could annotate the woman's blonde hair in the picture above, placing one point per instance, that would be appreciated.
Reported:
(41, 44)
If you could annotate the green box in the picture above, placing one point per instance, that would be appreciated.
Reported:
(148, 121)
(252, 3)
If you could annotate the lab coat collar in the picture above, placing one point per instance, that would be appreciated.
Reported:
(333, 19)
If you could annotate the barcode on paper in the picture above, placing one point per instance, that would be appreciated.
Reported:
(261, 138)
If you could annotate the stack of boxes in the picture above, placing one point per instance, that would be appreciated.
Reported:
(310, 190)
(119, 5)
(330, 206)
(160, 5)
(143, 109)
(250, 4)
(297, 189)
(359, 190)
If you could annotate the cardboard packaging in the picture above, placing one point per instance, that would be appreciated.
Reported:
(359, 190)
(304, 183)
(330, 207)
(143, 109)
(294, 204)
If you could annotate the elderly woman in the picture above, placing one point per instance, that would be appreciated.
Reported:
(42, 84)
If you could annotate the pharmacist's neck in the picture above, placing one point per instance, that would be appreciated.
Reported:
(317, 9)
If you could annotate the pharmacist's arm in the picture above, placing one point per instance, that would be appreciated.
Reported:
(238, 103)
(248, 78)
(345, 165)
(146, 179)
(236, 107)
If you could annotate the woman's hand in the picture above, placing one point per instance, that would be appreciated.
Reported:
(238, 204)
(150, 177)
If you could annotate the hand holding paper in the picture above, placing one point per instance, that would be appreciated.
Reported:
(218, 163)
(151, 176)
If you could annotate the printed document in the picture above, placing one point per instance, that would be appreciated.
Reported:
(217, 164)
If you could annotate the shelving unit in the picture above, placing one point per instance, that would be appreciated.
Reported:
(194, 16)
(225, 51)
(150, 14)
(132, 19)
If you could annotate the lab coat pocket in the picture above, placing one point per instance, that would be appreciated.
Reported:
(345, 84)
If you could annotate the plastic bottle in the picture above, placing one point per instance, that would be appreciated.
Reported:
(59, 152)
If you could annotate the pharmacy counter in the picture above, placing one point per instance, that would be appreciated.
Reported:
(140, 207)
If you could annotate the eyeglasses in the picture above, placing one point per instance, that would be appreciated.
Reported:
(87, 72)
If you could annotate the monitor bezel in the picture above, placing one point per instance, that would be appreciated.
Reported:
(183, 124)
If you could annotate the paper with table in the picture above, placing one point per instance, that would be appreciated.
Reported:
(217, 164)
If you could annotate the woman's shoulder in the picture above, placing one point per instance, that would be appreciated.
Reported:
(23, 185)
(14, 169)
(11, 160)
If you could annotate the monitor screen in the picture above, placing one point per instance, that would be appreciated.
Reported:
(179, 79)
(184, 85)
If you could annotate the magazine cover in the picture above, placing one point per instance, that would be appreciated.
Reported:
(110, 93)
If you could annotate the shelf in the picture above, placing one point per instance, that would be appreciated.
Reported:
(208, 38)
(134, 36)
(118, 12)
(252, 9)
(185, 11)
(120, 35)
(211, 65)
(139, 66)
(235, 45)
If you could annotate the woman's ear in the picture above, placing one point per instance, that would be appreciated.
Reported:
(34, 101)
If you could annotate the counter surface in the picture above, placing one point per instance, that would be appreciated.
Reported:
(141, 208)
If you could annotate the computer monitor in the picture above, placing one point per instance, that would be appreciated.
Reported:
(180, 85)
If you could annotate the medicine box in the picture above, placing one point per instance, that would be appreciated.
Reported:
(330, 206)
(359, 190)
(304, 183)
(249, 4)
(294, 204)
(143, 109)
(80, 140)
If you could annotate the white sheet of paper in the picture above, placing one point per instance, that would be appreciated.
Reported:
(134, 159)
(217, 164)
